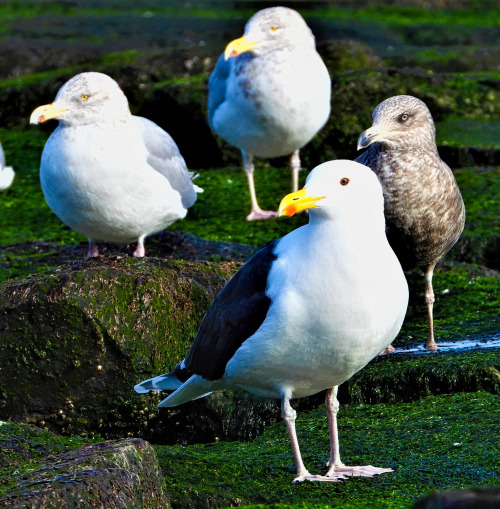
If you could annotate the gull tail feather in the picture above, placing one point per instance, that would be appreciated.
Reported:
(198, 189)
(195, 387)
(166, 382)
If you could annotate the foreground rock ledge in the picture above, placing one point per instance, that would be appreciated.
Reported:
(116, 474)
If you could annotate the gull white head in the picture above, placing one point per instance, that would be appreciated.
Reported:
(86, 98)
(340, 189)
(272, 29)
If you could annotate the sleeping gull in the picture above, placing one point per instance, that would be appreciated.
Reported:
(306, 312)
(424, 210)
(269, 93)
(6, 172)
(108, 174)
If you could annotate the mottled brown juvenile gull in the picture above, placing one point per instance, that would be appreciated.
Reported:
(269, 93)
(108, 174)
(6, 172)
(306, 312)
(424, 210)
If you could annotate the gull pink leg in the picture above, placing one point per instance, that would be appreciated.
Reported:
(256, 212)
(140, 251)
(289, 415)
(93, 249)
(295, 167)
(336, 468)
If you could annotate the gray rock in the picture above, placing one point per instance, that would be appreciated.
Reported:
(115, 474)
(479, 498)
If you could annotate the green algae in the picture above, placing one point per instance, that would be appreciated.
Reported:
(466, 306)
(457, 132)
(431, 444)
(403, 377)
(24, 448)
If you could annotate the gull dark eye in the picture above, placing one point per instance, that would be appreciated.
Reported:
(344, 181)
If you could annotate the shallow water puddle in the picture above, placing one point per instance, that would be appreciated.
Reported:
(448, 346)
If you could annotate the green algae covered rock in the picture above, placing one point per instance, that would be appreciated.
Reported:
(116, 474)
(74, 341)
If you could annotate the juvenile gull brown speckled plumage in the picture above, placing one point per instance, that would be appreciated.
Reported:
(424, 210)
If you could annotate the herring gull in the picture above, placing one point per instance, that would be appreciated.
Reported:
(106, 173)
(6, 172)
(424, 210)
(269, 93)
(306, 312)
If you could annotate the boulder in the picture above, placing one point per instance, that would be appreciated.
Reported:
(115, 474)
(76, 339)
(478, 498)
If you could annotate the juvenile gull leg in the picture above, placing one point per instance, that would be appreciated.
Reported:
(429, 299)
(256, 212)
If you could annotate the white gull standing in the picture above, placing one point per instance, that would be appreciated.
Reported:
(269, 93)
(6, 172)
(306, 312)
(106, 173)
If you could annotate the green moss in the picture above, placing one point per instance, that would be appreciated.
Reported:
(466, 306)
(409, 377)
(414, 16)
(121, 58)
(24, 448)
(431, 444)
(459, 132)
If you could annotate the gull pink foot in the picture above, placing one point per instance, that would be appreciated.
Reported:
(364, 471)
(389, 349)
(431, 345)
(319, 478)
(261, 214)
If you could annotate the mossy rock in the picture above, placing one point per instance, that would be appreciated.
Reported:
(347, 55)
(119, 474)
(76, 340)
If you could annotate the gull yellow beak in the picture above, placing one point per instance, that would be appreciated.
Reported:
(238, 46)
(46, 112)
(295, 202)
